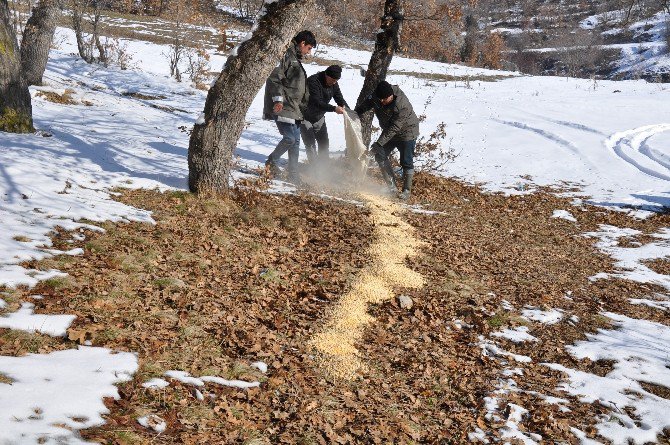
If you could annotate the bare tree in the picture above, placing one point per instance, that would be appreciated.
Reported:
(37, 37)
(249, 8)
(215, 136)
(16, 113)
(176, 52)
(580, 52)
(85, 46)
(387, 43)
(469, 51)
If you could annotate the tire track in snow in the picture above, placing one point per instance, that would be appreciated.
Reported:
(632, 146)
(544, 133)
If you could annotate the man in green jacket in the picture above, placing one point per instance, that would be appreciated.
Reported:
(286, 98)
(400, 129)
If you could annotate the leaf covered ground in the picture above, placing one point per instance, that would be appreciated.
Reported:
(218, 284)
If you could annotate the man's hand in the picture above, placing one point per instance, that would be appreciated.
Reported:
(278, 107)
(339, 110)
(377, 148)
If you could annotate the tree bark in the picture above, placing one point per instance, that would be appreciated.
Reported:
(388, 41)
(16, 114)
(84, 49)
(102, 51)
(37, 38)
(213, 142)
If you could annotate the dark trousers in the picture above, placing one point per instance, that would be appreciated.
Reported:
(314, 134)
(406, 149)
(290, 142)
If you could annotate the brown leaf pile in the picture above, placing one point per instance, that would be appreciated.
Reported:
(219, 284)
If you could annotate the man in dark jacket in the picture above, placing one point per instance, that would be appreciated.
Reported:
(286, 98)
(322, 88)
(400, 128)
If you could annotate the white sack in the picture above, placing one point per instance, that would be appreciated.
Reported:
(353, 136)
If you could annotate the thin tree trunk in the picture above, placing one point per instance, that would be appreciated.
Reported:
(16, 114)
(388, 41)
(102, 52)
(213, 141)
(83, 47)
(37, 37)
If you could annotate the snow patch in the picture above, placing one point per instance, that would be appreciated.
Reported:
(156, 383)
(564, 214)
(51, 396)
(186, 378)
(490, 349)
(261, 366)
(629, 260)
(662, 302)
(153, 422)
(640, 351)
(517, 335)
(511, 429)
(551, 316)
(26, 320)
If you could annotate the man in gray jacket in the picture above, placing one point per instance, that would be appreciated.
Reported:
(286, 98)
(400, 128)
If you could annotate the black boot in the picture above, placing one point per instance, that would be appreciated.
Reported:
(272, 168)
(311, 154)
(294, 178)
(407, 177)
(389, 176)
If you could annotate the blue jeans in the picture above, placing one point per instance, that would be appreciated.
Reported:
(406, 149)
(290, 142)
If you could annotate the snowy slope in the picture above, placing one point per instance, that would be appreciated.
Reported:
(647, 57)
(610, 139)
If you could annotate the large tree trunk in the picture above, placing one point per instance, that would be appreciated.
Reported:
(37, 38)
(213, 141)
(387, 44)
(16, 114)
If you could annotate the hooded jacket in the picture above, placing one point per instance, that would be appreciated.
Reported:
(397, 119)
(287, 84)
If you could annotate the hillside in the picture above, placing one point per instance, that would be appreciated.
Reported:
(521, 295)
(589, 41)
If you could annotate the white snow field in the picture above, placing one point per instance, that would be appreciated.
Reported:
(608, 142)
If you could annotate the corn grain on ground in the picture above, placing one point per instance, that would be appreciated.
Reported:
(393, 243)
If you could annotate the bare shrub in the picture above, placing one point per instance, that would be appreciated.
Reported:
(579, 52)
(356, 19)
(19, 10)
(248, 9)
(492, 51)
(430, 153)
(226, 44)
(175, 55)
(197, 66)
(118, 54)
(432, 30)
(528, 62)
(180, 14)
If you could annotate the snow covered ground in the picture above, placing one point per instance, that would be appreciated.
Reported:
(608, 139)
